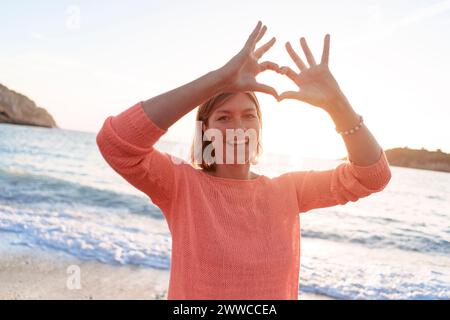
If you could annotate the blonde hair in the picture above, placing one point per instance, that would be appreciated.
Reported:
(204, 112)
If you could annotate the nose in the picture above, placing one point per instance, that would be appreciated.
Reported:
(238, 124)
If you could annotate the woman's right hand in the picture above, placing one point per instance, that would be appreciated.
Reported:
(239, 74)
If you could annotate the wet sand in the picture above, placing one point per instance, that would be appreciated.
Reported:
(36, 273)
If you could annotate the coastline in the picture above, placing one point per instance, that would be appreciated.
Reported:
(35, 273)
(41, 274)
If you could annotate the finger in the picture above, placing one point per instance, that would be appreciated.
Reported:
(265, 89)
(269, 65)
(297, 60)
(326, 50)
(251, 39)
(261, 34)
(308, 54)
(263, 49)
(297, 95)
(291, 74)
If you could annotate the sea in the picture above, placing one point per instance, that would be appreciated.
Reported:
(58, 193)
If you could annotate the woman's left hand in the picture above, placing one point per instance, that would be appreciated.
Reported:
(317, 85)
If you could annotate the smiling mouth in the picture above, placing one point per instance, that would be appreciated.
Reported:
(242, 141)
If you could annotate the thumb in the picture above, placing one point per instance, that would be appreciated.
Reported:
(297, 95)
(266, 89)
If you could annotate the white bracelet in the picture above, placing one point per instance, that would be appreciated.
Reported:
(354, 129)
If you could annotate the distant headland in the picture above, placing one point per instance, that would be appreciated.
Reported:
(418, 159)
(15, 108)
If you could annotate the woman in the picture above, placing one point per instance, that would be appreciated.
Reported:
(235, 234)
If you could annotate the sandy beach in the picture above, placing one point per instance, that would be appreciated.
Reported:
(35, 273)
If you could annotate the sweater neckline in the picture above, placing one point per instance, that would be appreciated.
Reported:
(231, 180)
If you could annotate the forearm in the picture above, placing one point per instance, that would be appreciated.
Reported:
(362, 147)
(167, 108)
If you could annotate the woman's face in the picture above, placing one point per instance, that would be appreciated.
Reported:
(238, 123)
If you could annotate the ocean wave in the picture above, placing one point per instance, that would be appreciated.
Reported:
(21, 188)
(350, 271)
(91, 235)
(404, 240)
(356, 291)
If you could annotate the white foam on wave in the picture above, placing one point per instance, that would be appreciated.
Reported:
(89, 234)
(352, 271)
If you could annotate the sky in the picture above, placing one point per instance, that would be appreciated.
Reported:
(86, 60)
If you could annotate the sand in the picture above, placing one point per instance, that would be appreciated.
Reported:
(37, 273)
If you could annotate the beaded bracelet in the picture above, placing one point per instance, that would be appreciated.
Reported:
(354, 129)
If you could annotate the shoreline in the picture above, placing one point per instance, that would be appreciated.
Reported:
(38, 273)
(42, 274)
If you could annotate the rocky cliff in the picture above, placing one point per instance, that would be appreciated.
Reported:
(419, 159)
(16, 108)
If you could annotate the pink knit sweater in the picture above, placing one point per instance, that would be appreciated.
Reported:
(231, 239)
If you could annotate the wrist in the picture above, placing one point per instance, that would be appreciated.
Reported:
(343, 115)
(226, 79)
(218, 80)
(339, 105)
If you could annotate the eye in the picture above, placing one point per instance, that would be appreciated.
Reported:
(222, 118)
(251, 116)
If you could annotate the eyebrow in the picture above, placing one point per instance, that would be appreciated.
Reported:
(226, 111)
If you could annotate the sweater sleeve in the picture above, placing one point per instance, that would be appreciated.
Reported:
(347, 182)
(126, 142)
